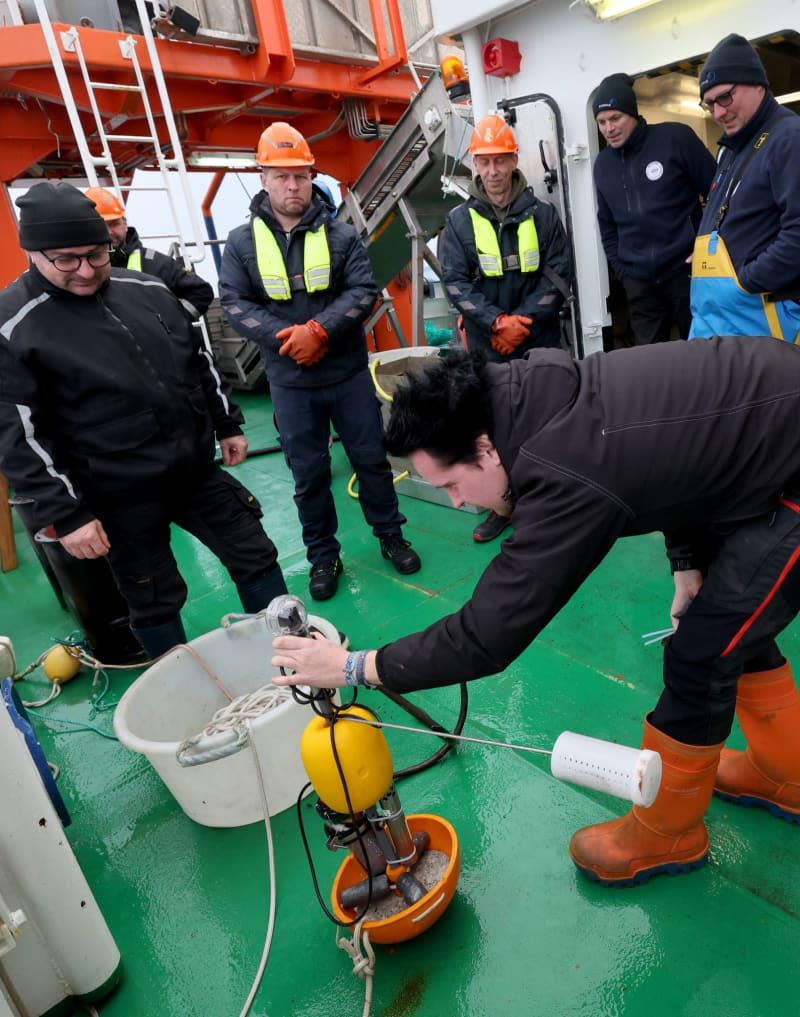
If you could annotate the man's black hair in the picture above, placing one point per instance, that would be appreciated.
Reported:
(441, 408)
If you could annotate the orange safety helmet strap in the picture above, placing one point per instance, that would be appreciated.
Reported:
(107, 204)
(283, 145)
(493, 136)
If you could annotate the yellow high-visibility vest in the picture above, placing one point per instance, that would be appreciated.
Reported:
(135, 261)
(272, 267)
(491, 260)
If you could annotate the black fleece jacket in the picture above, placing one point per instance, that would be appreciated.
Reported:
(676, 437)
(104, 395)
(194, 293)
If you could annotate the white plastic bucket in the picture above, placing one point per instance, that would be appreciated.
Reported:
(175, 699)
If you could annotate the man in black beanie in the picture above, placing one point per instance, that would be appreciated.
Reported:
(746, 265)
(649, 181)
(109, 407)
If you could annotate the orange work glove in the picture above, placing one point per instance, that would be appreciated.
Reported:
(508, 331)
(305, 344)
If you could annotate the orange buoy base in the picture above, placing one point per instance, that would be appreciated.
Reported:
(416, 918)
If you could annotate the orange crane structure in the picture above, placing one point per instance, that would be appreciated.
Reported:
(341, 82)
(93, 90)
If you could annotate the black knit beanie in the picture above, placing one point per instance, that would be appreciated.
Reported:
(615, 93)
(733, 61)
(54, 215)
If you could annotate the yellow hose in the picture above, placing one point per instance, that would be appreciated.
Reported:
(373, 369)
(351, 487)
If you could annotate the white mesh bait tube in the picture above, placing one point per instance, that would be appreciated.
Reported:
(634, 774)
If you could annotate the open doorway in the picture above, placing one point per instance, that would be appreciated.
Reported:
(671, 94)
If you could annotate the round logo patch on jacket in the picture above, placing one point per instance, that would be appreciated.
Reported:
(654, 170)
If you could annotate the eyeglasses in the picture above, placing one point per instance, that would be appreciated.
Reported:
(724, 99)
(72, 262)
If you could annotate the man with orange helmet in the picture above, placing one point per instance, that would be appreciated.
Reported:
(298, 282)
(505, 261)
(194, 293)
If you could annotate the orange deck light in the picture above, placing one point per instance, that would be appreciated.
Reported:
(454, 77)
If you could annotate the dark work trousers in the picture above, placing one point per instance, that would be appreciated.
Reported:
(211, 505)
(655, 307)
(304, 417)
(750, 594)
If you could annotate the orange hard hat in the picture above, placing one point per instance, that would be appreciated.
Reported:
(107, 204)
(283, 145)
(492, 136)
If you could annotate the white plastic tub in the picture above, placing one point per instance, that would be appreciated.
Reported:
(175, 699)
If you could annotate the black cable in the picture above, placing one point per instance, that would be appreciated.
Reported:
(356, 825)
(313, 699)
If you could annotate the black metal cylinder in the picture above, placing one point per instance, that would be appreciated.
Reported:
(86, 588)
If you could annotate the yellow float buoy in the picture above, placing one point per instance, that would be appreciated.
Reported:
(363, 755)
(62, 663)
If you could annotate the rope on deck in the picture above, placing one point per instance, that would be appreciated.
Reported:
(363, 963)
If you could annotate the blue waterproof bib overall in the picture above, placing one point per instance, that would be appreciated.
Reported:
(720, 304)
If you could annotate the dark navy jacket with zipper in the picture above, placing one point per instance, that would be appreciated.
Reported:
(103, 395)
(481, 299)
(648, 199)
(682, 438)
(193, 292)
(762, 226)
(341, 309)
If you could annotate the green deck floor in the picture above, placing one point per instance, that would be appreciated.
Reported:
(525, 934)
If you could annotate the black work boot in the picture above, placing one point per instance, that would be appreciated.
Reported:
(258, 593)
(325, 578)
(400, 553)
(157, 639)
(491, 528)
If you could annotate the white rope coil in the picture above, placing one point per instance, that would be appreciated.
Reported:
(228, 729)
(247, 707)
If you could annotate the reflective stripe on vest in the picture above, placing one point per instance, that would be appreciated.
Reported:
(272, 267)
(135, 261)
(489, 257)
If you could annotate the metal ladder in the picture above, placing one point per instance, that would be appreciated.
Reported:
(192, 249)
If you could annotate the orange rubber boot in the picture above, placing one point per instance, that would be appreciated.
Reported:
(767, 773)
(668, 837)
